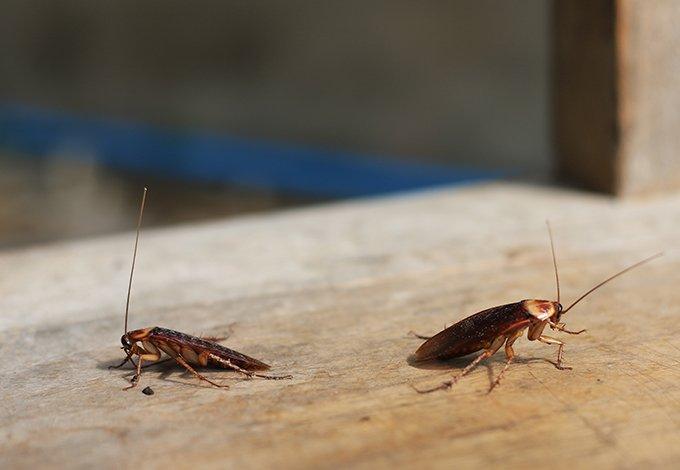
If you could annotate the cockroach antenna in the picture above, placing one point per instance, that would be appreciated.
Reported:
(134, 257)
(487, 331)
(552, 249)
(639, 263)
(188, 351)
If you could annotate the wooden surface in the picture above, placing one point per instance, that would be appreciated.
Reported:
(616, 94)
(328, 295)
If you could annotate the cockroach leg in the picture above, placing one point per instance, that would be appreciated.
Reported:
(227, 363)
(416, 335)
(180, 360)
(230, 331)
(495, 346)
(456, 378)
(561, 327)
(560, 350)
(135, 379)
(575, 332)
(153, 355)
(147, 343)
(217, 339)
(510, 356)
(127, 359)
(419, 336)
(274, 377)
(214, 339)
(488, 329)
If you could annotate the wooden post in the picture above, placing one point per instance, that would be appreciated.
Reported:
(617, 94)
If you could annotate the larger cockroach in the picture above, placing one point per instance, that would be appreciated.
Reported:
(490, 329)
(148, 344)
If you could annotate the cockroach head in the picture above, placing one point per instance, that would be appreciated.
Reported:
(543, 309)
(127, 344)
(558, 313)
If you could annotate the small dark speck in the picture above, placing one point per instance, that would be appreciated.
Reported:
(599, 380)
(365, 418)
(148, 391)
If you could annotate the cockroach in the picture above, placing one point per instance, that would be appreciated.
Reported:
(148, 391)
(492, 328)
(148, 344)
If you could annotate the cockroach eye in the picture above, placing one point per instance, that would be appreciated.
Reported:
(489, 329)
(183, 348)
(126, 342)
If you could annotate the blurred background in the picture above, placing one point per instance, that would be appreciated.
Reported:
(225, 108)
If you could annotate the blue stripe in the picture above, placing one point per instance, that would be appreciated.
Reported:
(208, 157)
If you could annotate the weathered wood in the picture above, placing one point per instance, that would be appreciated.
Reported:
(328, 295)
(616, 94)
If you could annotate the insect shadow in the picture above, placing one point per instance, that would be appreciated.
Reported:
(150, 344)
(166, 364)
(167, 368)
(490, 329)
(461, 362)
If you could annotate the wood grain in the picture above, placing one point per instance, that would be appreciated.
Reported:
(328, 295)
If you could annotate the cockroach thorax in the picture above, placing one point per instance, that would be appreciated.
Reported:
(542, 309)
(139, 335)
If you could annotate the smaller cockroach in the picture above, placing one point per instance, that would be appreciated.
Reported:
(148, 391)
(489, 329)
(183, 348)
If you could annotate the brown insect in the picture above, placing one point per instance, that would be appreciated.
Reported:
(490, 329)
(148, 344)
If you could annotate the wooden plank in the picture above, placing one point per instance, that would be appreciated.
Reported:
(616, 94)
(328, 295)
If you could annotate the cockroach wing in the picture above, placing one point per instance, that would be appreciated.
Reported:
(240, 359)
(199, 345)
(473, 333)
